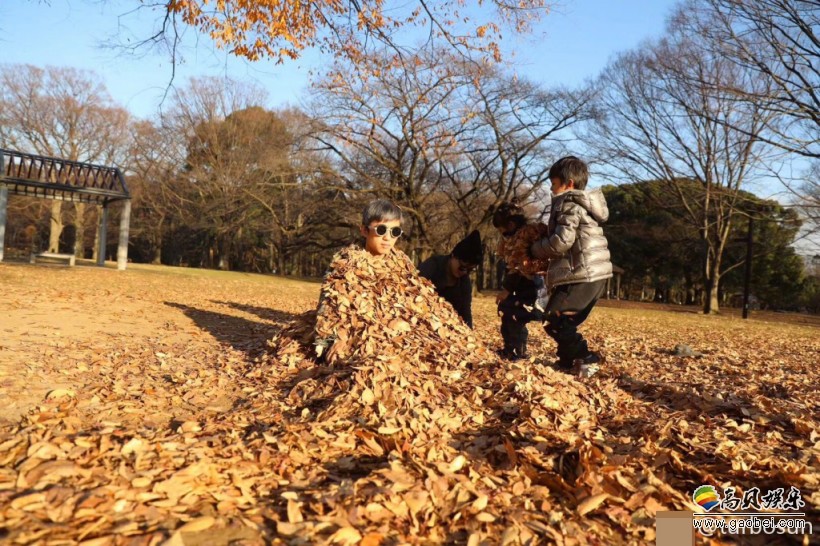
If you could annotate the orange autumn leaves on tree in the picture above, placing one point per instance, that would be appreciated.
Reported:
(281, 29)
(258, 28)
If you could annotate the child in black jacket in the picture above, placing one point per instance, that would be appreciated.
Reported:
(518, 302)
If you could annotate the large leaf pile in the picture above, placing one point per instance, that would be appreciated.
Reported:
(401, 434)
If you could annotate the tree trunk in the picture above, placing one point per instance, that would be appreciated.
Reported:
(711, 303)
(222, 253)
(56, 226)
(487, 272)
(280, 263)
(157, 259)
(688, 288)
(95, 248)
(79, 230)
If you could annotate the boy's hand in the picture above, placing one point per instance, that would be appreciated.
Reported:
(501, 296)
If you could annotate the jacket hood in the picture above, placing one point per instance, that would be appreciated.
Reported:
(593, 201)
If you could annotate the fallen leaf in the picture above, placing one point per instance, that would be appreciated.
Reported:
(591, 503)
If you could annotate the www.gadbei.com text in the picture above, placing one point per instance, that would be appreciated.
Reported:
(752, 524)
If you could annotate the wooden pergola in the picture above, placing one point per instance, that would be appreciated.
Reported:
(61, 179)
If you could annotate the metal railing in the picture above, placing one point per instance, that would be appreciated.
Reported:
(53, 178)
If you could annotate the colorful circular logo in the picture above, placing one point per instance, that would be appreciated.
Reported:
(706, 496)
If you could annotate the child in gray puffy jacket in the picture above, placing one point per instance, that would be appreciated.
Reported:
(577, 250)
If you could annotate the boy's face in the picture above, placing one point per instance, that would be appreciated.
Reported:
(379, 245)
(558, 186)
(459, 268)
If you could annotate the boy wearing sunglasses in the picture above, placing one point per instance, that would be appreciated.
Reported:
(450, 274)
(381, 228)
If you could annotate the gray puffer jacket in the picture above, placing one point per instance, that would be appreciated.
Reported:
(576, 245)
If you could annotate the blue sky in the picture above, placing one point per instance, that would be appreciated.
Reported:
(572, 43)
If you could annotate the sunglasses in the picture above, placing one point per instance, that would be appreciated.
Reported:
(466, 268)
(381, 230)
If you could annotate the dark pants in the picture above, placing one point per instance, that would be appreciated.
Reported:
(515, 313)
(578, 299)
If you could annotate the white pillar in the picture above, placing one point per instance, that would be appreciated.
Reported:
(102, 235)
(4, 199)
(125, 222)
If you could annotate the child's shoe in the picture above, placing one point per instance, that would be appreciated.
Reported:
(587, 366)
(513, 353)
(562, 365)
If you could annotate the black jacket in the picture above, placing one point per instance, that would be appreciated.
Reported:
(460, 295)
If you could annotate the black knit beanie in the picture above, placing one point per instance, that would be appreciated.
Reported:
(469, 249)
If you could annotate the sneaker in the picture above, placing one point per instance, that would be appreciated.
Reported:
(562, 365)
(587, 366)
(510, 354)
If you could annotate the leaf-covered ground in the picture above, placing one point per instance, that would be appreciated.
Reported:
(147, 406)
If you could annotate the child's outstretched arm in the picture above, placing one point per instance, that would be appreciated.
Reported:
(558, 243)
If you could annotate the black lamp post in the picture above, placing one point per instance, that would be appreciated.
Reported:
(748, 280)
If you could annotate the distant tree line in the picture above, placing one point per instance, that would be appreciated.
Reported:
(689, 126)
(660, 252)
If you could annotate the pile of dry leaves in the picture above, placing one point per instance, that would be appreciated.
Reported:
(410, 386)
(515, 250)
